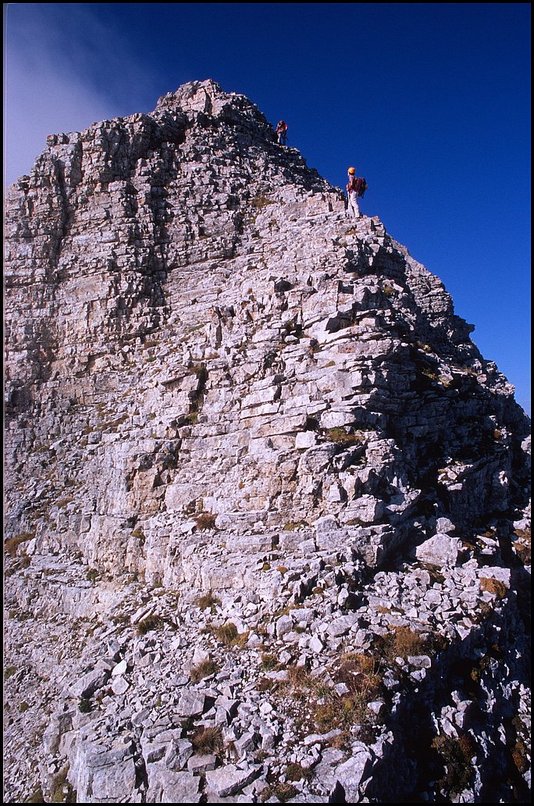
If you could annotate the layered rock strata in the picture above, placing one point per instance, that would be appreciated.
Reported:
(253, 461)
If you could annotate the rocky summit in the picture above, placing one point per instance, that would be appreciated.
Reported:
(267, 507)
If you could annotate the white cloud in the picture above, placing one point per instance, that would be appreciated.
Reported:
(41, 101)
(64, 70)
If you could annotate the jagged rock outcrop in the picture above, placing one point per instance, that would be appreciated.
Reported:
(267, 506)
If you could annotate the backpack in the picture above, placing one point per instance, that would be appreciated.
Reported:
(360, 186)
(353, 185)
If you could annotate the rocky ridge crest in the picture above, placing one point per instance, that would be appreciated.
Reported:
(256, 464)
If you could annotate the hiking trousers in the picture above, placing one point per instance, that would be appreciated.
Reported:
(353, 208)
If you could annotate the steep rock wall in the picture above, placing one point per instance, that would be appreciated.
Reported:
(193, 326)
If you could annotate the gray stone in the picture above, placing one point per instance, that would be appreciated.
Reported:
(178, 754)
(352, 772)
(119, 669)
(439, 550)
(230, 780)
(202, 763)
(342, 625)
(191, 703)
(167, 786)
(90, 682)
(283, 625)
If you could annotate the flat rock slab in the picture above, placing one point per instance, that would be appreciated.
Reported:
(230, 780)
(191, 703)
(167, 786)
(440, 550)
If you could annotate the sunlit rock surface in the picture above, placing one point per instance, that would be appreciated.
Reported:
(267, 520)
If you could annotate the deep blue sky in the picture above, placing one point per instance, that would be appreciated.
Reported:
(430, 102)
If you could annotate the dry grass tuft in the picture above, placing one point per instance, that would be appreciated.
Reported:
(296, 772)
(523, 545)
(206, 520)
(12, 543)
(456, 755)
(228, 634)
(404, 641)
(323, 706)
(269, 662)
(150, 623)
(204, 669)
(207, 601)
(342, 437)
(493, 586)
(282, 791)
(207, 740)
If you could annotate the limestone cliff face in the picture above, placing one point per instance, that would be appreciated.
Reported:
(205, 357)
(192, 325)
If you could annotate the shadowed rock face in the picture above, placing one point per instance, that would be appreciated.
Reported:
(208, 362)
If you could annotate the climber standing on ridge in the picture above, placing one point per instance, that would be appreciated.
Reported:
(281, 132)
(356, 187)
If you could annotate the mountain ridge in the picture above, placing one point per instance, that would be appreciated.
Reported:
(213, 374)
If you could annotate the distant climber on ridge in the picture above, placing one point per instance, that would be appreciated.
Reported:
(356, 187)
(281, 132)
